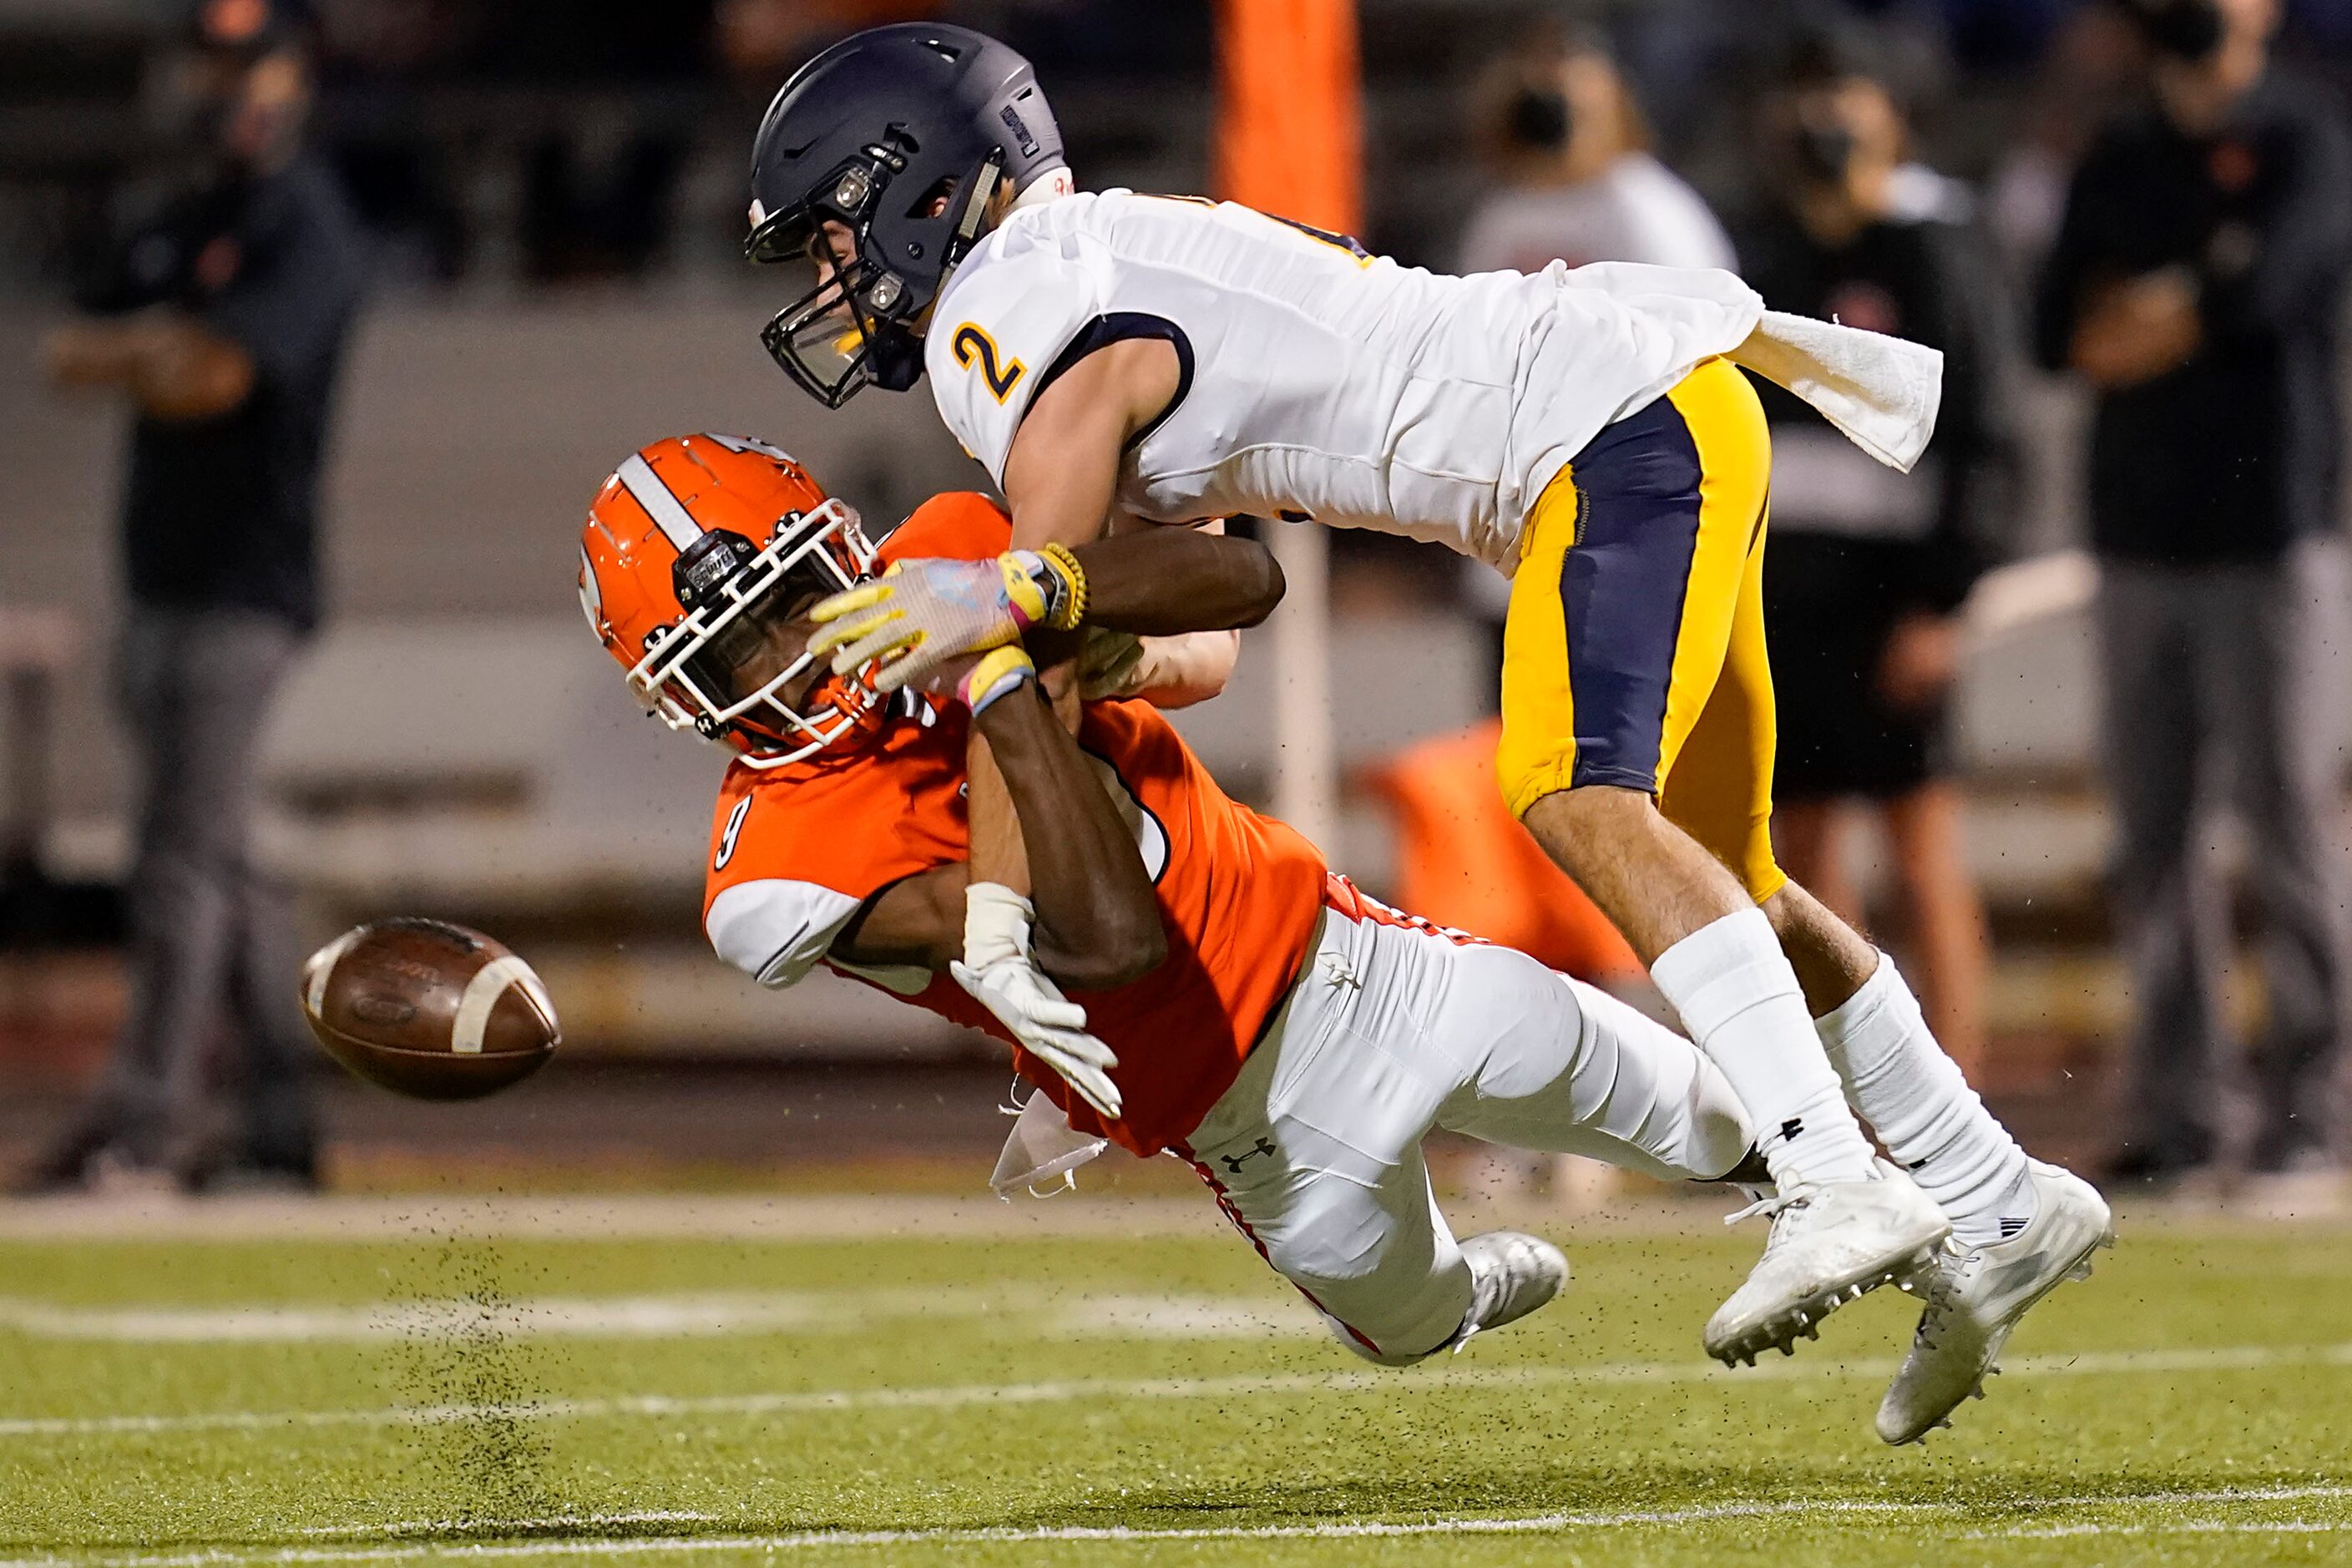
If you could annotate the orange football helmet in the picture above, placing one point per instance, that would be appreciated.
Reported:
(696, 552)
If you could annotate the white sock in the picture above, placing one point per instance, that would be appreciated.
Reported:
(1931, 1120)
(1739, 1000)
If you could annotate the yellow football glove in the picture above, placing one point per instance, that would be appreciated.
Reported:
(920, 614)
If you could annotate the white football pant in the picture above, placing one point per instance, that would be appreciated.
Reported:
(1394, 1028)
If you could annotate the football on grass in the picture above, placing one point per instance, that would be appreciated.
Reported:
(428, 1009)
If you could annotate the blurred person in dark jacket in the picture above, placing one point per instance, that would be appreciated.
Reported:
(221, 317)
(1867, 567)
(1576, 180)
(2195, 284)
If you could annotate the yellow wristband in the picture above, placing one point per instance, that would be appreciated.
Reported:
(1074, 608)
(996, 672)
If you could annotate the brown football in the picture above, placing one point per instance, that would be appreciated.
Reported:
(428, 1009)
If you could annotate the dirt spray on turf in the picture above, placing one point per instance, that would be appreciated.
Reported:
(486, 1458)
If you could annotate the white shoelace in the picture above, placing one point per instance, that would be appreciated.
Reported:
(1781, 1206)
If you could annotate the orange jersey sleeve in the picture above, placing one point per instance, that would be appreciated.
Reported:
(796, 851)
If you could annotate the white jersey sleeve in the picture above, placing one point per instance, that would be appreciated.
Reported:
(775, 931)
(1008, 313)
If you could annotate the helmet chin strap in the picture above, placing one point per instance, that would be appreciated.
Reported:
(1045, 185)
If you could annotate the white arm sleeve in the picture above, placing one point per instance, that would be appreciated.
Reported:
(1008, 313)
(775, 931)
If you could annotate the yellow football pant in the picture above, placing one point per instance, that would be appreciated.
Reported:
(1633, 652)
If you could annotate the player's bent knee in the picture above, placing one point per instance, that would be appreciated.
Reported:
(1721, 1129)
(1413, 1326)
(1568, 822)
(1377, 1357)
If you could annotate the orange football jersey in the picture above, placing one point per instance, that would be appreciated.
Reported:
(796, 850)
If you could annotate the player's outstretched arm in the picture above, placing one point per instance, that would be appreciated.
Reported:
(923, 615)
(1094, 924)
(1161, 582)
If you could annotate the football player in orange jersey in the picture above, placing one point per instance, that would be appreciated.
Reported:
(1237, 1005)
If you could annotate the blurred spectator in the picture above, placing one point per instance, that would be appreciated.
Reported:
(600, 184)
(402, 178)
(1578, 181)
(2195, 284)
(2093, 66)
(229, 314)
(1867, 567)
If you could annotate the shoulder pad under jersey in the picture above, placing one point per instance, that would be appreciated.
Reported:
(1008, 313)
(775, 929)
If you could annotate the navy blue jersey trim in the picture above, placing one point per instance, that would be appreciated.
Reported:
(1119, 326)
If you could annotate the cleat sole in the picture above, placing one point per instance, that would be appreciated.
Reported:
(1805, 1317)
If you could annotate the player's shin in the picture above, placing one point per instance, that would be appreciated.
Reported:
(1932, 1122)
(1739, 999)
(1841, 1223)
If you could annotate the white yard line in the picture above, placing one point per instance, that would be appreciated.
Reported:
(1434, 1380)
(689, 1315)
(2175, 1527)
(399, 1528)
(1528, 1524)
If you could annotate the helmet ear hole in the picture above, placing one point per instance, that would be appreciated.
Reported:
(934, 203)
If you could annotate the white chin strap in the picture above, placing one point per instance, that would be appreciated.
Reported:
(1045, 186)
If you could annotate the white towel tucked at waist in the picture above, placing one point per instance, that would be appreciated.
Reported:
(1882, 391)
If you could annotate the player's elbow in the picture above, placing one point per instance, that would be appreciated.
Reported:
(1259, 581)
(1119, 951)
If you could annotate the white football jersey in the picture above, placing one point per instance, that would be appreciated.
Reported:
(1320, 383)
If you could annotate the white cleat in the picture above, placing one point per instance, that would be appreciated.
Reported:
(1511, 1275)
(1830, 1242)
(1976, 1295)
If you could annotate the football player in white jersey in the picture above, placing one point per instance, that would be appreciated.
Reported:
(1116, 361)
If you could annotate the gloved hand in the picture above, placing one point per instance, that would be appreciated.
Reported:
(1109, 664)
(921, 614)
(997, 969)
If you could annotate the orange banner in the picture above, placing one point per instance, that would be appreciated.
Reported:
(1291, 115)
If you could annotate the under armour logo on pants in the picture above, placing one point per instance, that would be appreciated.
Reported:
(1234, 1162)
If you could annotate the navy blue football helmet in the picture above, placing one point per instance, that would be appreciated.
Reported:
(875, 167)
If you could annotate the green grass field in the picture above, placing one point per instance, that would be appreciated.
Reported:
(945, 1398)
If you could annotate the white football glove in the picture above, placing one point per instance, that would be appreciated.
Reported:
(999, 972)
